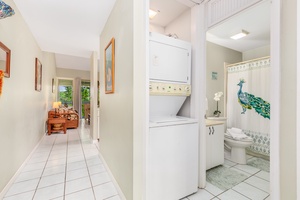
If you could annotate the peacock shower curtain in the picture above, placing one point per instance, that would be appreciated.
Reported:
(248, 101)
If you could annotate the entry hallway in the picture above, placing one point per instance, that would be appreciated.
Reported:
(64, 167)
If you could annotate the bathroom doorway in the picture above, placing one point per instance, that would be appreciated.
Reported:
(254, 23)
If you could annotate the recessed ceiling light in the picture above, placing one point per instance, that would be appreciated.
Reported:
(240, 35)
(152, 13)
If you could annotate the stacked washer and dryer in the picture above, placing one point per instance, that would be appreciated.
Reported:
(172, 155)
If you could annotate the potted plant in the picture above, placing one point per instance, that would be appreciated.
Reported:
(217, 98)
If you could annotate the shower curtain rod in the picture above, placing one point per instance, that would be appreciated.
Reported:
(248, 61)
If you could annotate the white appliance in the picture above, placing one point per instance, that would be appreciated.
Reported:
(172, 155)
(170, 59)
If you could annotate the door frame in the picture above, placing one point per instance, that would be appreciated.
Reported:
(275, 90)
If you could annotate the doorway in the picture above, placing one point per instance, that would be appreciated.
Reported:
(85, 99)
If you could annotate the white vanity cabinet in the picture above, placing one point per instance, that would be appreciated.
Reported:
(214, 144)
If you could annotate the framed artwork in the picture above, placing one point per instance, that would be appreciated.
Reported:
(53, 85)
(38, 75)
(109, 67)
(5, 60)
(214, 76)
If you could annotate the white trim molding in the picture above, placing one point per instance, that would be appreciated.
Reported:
(197, 110)
(121, 194)
(12, 180)
(275, 101)
(219, 10)
(298, 101)
(223, 10)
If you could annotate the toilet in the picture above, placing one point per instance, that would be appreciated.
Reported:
(237, 148)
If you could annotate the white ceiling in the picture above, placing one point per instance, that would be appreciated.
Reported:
(168, 11)
(69, 28)
(256, 21)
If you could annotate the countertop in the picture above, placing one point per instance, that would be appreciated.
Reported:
(213, 123)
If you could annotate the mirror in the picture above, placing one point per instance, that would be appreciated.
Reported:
(5, 60)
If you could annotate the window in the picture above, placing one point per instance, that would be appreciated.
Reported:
(65, 92)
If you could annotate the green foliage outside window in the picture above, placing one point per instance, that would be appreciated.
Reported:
(85, 97)
(65, 95)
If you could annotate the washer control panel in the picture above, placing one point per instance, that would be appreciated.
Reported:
(159, 88)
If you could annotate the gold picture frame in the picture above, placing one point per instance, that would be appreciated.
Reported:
(38, 75)
(109, 67)
(5, 60)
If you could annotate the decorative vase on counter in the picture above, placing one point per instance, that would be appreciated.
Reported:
(217, 112)
(217, 99)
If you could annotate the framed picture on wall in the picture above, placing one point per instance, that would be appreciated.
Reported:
(109, 67)
(53, 85)
(5, 60)
(38, 75)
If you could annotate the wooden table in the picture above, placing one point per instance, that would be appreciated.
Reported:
(52, 121)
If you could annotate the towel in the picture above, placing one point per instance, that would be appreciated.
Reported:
(236, 130)
(237, 134)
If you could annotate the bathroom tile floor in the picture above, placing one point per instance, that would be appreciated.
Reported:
(255, 186)
(68, 167)
(64, 167)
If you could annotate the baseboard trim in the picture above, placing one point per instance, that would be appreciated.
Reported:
(122, 196)
(12, 180)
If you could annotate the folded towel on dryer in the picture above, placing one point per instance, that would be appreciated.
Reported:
(237, 134)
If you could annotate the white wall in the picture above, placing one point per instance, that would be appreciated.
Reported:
(181, 26)
(256, 53)
(2, 63)
(156, 29)
(23, 110)
(116, 110)
(72, 73)
(288, 105)
(94, 96)
(216, 56)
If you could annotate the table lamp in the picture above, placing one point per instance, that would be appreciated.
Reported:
(55, 105)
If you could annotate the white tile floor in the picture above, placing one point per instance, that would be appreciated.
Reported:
(68, 167)
(64, 167)
(255, 187)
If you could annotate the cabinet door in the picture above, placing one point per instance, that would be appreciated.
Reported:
(217, 145)
(208, 147)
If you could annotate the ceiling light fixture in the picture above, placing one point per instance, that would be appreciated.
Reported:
(240, 35)
(152, 13)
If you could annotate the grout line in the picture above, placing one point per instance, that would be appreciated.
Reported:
(241, 194)
(86, 165)
(67, 149)
(267, 197)
(255, 186)
(251, 175)
(111, 197)
(53, 142)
